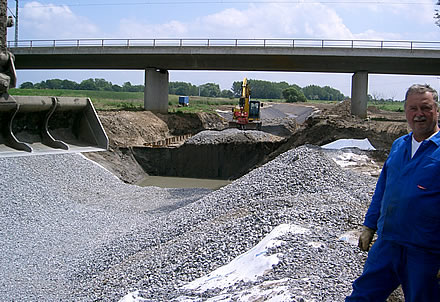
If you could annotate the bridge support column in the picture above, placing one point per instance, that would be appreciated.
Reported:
(359, 94)
(156, 90)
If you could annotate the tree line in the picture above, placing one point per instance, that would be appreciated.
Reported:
(259, 89)
(89, 84)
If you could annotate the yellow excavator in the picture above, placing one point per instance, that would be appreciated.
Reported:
(32, 125)
(247, 114)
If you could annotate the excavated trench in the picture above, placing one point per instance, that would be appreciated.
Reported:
(230, 157)
(231, 160)
(213, 161)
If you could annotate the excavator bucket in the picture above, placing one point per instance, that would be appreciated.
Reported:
(42, 125)
(32, 125)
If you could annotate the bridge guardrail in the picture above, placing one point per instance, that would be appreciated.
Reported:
(321, 43)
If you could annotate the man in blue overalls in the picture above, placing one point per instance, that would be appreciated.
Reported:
(405, 211)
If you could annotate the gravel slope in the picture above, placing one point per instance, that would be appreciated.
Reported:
(57, 211)
(71, 231)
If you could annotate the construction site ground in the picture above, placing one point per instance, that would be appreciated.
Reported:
(318, 125)
(73, 232)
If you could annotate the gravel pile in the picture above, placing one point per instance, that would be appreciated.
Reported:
(71, 231)
(57, 211)
(231, 135)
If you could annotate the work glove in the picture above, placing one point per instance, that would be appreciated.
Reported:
(365, 238)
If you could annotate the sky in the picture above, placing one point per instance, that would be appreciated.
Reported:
(407, 20)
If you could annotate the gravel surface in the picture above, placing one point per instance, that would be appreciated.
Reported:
(71, 231)
(231, 135)
(57, 211)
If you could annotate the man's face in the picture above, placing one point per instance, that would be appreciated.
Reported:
(422, 115)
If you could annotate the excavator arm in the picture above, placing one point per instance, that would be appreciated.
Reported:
(247, 114)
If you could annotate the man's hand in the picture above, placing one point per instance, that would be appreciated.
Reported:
(365, 238)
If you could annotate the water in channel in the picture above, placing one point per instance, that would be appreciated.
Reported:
(183, 182)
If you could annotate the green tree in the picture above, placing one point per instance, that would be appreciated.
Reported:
(314, 92)
(227, 94)
(116, 88)
(210, 90)
(66, 84)
(333, 94)
(127, 87)
(182, 88)
(138, 88)
(236, 88)
(41, 85)
(88, 84)
(262, 89)
(54, 84)
(27, 85)
(293, 94)
(265, 89)
(103, 85)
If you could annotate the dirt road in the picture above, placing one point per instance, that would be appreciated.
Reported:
(271, 111)
(299, 112)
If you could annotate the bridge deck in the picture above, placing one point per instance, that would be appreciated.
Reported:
(307, 55)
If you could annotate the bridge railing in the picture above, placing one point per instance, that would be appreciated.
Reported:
(327, 43)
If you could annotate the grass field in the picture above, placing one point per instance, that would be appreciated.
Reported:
(111, 100)
(388, 106)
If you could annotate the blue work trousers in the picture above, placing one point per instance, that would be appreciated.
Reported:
(388, 265)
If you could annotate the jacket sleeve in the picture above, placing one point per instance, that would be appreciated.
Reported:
(373, 212)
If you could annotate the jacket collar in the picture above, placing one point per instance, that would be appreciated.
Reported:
(435, 139)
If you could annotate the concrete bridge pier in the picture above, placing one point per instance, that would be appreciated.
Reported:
(359, 94)
(156, 90)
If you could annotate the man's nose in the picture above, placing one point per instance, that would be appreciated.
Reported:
(419, 112)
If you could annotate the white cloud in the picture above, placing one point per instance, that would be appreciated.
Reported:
(132, 28)
(49, 21)
(374, 35)
(256, 21)
(410, 11)
(274, 21)
(268, 20)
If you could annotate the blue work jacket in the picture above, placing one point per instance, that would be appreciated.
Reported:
(405, 207)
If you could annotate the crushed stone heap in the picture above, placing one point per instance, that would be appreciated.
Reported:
(71, 231)
(231, 135)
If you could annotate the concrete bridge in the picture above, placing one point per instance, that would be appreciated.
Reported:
(158, 56)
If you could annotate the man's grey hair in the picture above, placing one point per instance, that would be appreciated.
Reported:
(421, 89)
